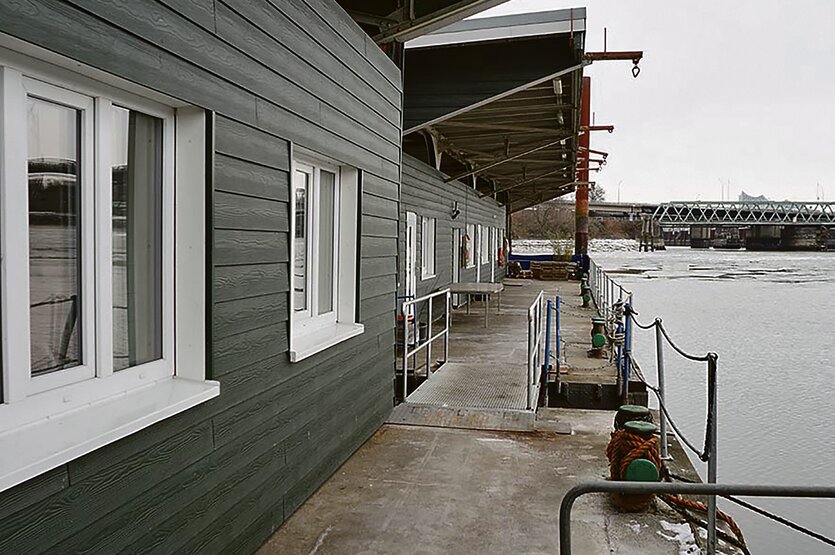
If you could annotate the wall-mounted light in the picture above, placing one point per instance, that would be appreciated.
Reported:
(455, 211)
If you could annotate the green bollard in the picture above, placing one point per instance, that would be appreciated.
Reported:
(627, 413)
(640, 470)
(640, 428)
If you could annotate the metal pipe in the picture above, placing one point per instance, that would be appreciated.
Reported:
(429, 343)
(547, 339)
(712, 461)
(558, 334)
(530, 344)
(644, 488)
(627, 353)
(581, 193)
(446, 326)
(659, 361)
(405, 313)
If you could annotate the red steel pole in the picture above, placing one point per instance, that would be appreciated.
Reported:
(581, 194)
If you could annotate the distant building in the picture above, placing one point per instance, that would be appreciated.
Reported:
(743, 197)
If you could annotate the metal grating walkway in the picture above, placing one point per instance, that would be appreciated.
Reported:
(487, 366)
(472, 385)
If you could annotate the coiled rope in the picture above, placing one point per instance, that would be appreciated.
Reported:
(625, 447)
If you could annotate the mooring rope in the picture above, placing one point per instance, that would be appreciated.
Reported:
(763, 512)
(625, 447)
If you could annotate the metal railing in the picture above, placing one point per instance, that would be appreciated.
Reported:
(535, 345)
(605, 291)
(614, 302)
(645, 488)
(410, 311)
(708, 453)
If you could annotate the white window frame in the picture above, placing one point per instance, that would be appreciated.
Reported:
(50, 419)
(484, 249)
(470, 231)
(310, 319)
(428, 232)
(309, 333)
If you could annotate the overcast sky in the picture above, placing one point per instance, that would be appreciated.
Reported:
(730, 92)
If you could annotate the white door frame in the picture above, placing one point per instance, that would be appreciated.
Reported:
(411, 255)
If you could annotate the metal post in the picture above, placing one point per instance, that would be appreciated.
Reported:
(530, 355)
(405, 350)
(446, 327)
(558, 346)
(711, 462)
(659, 361)
(547, 340)
(429, 340)
(627, 352)
(619, 358)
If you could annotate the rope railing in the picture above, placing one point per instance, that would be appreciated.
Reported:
(614, 303)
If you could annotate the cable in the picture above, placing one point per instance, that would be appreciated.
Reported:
(763, 512)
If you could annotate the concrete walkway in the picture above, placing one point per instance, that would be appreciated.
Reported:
(429, 490)
(471, 471)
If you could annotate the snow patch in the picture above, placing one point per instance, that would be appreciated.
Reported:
(635, 526)
(682, 534)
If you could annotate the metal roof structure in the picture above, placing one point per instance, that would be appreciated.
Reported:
(495, 102)
(388, 21)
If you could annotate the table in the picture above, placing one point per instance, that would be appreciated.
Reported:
(486, 289)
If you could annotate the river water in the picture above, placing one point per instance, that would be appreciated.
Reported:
(771, 318)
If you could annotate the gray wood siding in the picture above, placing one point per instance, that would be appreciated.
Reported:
(425, 193)
(222, 476)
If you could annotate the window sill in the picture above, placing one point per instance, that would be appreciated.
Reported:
(427, 277)
(57, 439)
(316, 341)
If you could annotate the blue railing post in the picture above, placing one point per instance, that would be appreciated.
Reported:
(627, 351)
(547, 363)
(558, 347)
(619, 358)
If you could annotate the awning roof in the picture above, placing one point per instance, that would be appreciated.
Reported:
(499, 99)
(398, 20)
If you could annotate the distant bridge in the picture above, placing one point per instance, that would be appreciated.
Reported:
(621, 210)
(741, 213)
(745, 213)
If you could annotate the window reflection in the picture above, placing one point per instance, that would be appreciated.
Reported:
(301, 185)
(137, 238)
(327, 185)
(54, 183)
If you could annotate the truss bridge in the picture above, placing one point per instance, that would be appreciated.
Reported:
(746, 213)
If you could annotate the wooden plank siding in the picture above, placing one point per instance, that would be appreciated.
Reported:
(222, 476)
(425, 193)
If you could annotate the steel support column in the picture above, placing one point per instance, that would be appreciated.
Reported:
(581, 194)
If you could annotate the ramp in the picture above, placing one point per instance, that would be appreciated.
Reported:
(476, 384)
(413, 414)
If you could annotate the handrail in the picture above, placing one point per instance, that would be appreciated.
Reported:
(646, 488)
(405, 309)
(606, 292)
(535, 337)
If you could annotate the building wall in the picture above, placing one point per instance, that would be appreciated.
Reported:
(425, 193)
(222, 476)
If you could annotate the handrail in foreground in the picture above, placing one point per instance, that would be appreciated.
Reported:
(535, 344)
(408, 311)
(638, 488)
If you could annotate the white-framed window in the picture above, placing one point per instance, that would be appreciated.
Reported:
(324, 213)
(471, 241)
(427, 248)
(484, 250)
(92, 295)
